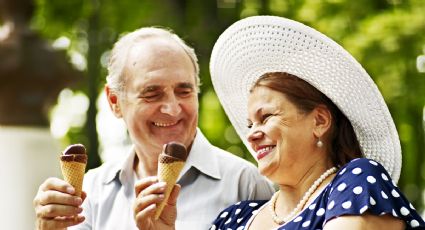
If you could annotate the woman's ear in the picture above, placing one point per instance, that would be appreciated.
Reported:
(113, 102)
(322, 120)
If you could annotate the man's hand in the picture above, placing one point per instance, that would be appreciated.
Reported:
(55, 205)
(149, 193)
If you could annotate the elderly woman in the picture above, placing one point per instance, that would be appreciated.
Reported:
(318, 127)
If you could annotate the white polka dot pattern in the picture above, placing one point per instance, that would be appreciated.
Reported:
(362, 210)
(253, 204)
(372, 201)
(404, 211)
(357, 190)
(341, 187)
(306, 224)
(357, 171)
(362, 189)
(298, 219)
(320, 212)
(374, 163)
(384, 195)
(414, 223)
(346, 205)
(371, 179)
(331, 205)
(395, 193)
(384, 177)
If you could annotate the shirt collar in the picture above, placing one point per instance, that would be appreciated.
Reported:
(123, 169)
(202, 157)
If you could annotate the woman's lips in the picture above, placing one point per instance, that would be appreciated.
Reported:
(264, 151)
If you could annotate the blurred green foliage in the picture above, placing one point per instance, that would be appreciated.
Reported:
(385, 36)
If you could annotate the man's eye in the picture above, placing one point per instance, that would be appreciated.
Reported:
(184, 93)
(249, 125)
(151, 96)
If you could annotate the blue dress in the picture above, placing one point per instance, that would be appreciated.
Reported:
(359, 186)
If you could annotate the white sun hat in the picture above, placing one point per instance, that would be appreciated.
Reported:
(256, 45)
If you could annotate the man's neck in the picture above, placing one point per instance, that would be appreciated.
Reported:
(145, 166)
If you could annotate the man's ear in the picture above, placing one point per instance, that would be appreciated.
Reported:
(113, 101)
(322, 120)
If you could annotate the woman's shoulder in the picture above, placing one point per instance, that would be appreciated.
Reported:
(237, 214)
(363, 168)
(363, 185)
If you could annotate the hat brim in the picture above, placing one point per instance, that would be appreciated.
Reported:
(256, 45)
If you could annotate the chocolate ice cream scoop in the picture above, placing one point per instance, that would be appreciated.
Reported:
(75, 152)
(176, 150)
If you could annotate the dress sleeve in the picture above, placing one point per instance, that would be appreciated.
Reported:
(223, 218)
(236, 216)
(364, 185)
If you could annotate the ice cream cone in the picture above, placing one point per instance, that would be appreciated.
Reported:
(73, 173)
(171, 162)
(73, 164)
(168, 172)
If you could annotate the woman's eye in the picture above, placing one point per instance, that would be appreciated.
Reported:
(249, 125)
(266, 116)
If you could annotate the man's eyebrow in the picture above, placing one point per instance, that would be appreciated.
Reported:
(150, 88)
(185, 85)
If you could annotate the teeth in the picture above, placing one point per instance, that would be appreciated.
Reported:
(164, 124)
(268, 148)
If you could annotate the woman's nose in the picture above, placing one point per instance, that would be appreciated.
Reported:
(254, 135)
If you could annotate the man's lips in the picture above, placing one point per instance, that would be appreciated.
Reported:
(264, 151)
(164, 124)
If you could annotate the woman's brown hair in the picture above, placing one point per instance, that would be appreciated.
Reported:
(344, 144)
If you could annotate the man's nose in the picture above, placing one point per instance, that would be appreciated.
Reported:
(171, 106)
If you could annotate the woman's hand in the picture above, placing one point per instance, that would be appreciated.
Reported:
(56, 206)
(149, 194)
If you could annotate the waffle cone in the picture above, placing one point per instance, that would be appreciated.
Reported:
(73, 173)
(168, 172)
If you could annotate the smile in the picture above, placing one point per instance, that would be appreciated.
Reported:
(263, 151)
(164, 124)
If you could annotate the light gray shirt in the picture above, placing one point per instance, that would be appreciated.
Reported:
(211, 180)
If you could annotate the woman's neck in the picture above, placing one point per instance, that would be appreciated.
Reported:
(291, 195)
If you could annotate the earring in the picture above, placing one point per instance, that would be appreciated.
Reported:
(319, 143)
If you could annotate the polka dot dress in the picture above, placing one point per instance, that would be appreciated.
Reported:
(360, 186)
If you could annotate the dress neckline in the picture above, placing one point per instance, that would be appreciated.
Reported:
(248, 223)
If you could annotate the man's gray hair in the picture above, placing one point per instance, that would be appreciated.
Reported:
(118, 58)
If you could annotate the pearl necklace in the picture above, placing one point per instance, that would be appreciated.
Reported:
(272, 206)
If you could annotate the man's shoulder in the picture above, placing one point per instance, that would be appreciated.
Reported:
(228, 158)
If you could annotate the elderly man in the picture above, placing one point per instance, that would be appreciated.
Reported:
(153, 86)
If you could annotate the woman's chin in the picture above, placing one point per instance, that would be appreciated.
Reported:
(266, 169)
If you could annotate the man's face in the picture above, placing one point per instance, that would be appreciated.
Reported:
(159, 103)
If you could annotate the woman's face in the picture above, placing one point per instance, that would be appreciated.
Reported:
(281, 135)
